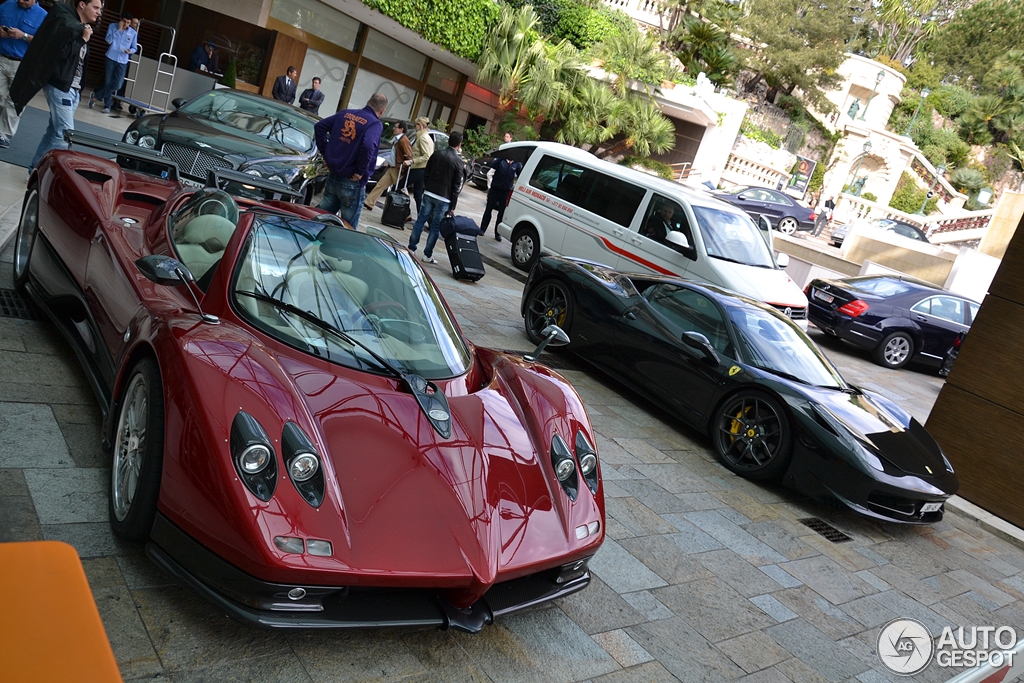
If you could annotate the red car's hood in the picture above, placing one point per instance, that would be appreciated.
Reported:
(478, 503)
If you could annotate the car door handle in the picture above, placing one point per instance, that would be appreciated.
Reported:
(920, 318)
(618, 232)
(629, 315)
(635, 241)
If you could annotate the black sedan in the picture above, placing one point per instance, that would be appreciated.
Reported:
(897, 319)
(236, 130)
(774, 405)
(782, 211)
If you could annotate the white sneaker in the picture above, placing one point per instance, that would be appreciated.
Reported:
(429, 259)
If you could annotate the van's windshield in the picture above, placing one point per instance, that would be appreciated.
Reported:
(732, 236)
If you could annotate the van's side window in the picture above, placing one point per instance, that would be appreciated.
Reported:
(663, 216)
(596, 192)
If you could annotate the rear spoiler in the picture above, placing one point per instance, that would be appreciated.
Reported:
(129, 157)
(253, 187)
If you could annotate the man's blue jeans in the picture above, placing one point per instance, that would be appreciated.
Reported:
(62, 118)
(433, 209)
(345, 198)
(115, 77)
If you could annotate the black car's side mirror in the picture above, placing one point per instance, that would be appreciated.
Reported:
(165, 270)
(178, 102)
(697, 341)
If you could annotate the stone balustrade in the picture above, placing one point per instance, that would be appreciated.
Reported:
(850, 207)
(742, 171)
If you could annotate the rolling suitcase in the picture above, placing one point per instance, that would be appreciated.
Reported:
(464, 255)
(397, 207)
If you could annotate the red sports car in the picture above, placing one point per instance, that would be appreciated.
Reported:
(299, 428)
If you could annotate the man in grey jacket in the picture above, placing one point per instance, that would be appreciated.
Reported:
(445, 173)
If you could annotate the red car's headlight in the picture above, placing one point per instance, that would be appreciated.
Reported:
(253, 455)
(303, 464)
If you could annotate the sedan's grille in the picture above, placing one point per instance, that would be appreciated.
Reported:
(194, 162)
(792, 312)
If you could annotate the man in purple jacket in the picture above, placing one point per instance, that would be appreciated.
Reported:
(349, 141)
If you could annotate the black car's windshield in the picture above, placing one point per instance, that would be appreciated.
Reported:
(772, 342)
(731, 235)
(359, 284)
(256, 118)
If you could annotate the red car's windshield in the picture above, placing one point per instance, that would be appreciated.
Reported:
(376, 294)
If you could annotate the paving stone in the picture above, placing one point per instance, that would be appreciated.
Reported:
(908, 608)
(18, 520)
(643, 451)
(614, 529)
(675, 478)
(84, 442)
(918, 589)
(819, 612)
(713, 609)
(657, 499)
(648, 605)
(534, 646)
(772, 675)
(745, 504)
(664, 556)
(753, 651)
(914, 563)
(626, 651)
(780, 576)
(90, 539)
(620, 570)
(12, 483)
(733, 537)
(872, 580)
(828, 579)
(871, 611)
(272, 669)
(127, 635)
(1014, 584)
(651, 672)
(611, 453)
(139, 572)
(689, 537)
(872, 555)
(684, 652)
(30, 437)
(436, 650)
(811, 646)
(599, 608)
(843, 554)
(775, 536)
(636, 517)
(66, 496)
(103, 572)
(773, 608)
(983, 588)
(738, 573)
(700, 501)
(799, 672)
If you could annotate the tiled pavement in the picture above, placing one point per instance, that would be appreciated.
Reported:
(704, 576)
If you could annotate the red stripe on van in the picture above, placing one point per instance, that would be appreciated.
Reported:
(633, 257)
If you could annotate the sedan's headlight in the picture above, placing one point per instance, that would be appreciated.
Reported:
(253, 171)
(147, 142)
(132, 137)
(276, 178)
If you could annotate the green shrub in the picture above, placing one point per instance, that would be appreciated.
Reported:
(908, 196)
(460, 28)
(951, 100)
(660, 168)
(817, 177)
(476, 143)
(967, 179)
(753, 132)
(935, 154)
(997, 163)
(870, 196)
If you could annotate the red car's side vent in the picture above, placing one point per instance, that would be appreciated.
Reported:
(143, 198)
(92, 176)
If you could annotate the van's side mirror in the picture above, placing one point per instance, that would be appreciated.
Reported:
(678, 241)
(696, 340)
(765, 226)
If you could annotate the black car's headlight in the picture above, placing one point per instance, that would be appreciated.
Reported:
(587, 455)
(253, 455)
(565, 467)
(303, 464)
(132, 137)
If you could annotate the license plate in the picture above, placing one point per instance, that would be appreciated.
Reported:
(822, 296)
(931, 507)
(188, 182)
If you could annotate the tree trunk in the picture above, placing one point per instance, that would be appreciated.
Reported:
(750, 85)
(617, 147)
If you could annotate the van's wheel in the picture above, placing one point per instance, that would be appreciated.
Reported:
(525, 247)
(549, 303)
(894, 351)
(787, 226)
(28, 228)
(138, 453)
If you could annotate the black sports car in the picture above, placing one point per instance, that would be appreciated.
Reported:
(897, 319)
(781, 210)
(236, 130)
(773, 404)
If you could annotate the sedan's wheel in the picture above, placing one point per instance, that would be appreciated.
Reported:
(28, 228)
(787, 226)
(138, 453)
(525, 247)
(752, 437)
(549, 303)
(895, 350)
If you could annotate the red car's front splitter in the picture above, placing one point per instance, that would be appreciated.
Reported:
(270, 605)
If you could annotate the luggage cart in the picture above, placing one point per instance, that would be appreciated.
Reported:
(166, 64)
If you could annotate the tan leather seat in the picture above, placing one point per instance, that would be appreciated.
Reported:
(202, 242)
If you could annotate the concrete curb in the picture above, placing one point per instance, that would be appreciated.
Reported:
(987, 521)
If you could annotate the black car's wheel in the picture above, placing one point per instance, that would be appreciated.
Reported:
(549, 303)
(138, 453)
(28, 228)
(895, 350)
(788, 225)
(752, 436)
(525, 247)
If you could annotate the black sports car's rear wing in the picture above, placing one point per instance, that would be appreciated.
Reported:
(253, 187)
(128, 157)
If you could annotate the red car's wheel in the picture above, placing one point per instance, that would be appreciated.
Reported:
(28, 227)
(138, 453)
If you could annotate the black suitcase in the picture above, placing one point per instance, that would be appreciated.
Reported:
(397, 207)
(464, 255)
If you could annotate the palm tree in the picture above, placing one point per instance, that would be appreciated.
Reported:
(591, 117)
(631, 57)
(643, 129)
(702, 46)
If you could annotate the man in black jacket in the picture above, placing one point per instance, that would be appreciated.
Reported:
(54, 62)
(284, 86)
(444, 173)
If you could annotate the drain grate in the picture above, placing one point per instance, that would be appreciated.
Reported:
(825, 529)
(12, 305)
